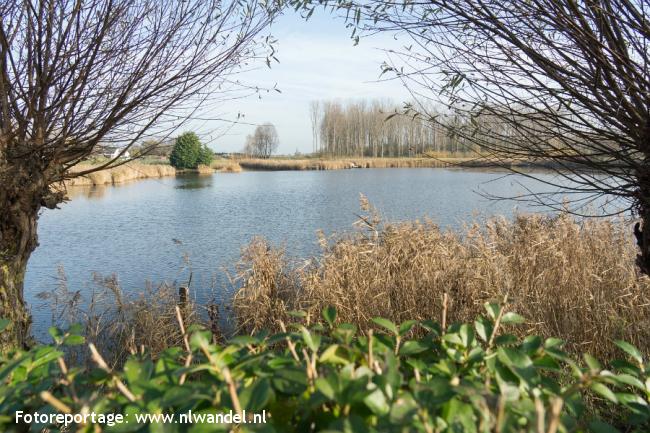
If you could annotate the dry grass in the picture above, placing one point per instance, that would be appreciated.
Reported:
(339, 164)
(204, 169)
(120, 324)
(572, 279)
(226, 165)
(121, 174)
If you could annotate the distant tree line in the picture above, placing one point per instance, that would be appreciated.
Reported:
(263, 143)
(374, 128)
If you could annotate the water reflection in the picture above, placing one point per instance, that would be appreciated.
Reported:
(89, 192)
(194, 181)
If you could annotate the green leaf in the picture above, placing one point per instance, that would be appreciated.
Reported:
(376, 402)
(4, 323)
(257, 396)
(335, 354)
(601, 427)
(56, 334)
(312, 341)
(592, 362)
(466, 334)
(510, 318)
(604, 391)
(493, 309)
(325, 387)
(329, 314)
(385, 323)
(484, 328)
(630, 350)
(74, 340)
(412, 347)
(405, 327)
(403, 409)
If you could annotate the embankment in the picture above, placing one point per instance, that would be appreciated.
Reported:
(121, 174)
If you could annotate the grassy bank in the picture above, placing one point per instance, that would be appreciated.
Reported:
(124, 173)
(345, 163)
(155, 168)
(576, 280)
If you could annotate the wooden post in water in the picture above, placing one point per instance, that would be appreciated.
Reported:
(183, 296)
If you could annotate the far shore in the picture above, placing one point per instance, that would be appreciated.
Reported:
(159, 168)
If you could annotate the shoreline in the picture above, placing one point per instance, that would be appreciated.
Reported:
(138, 171)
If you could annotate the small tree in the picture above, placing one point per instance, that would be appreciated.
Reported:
(188, 152)
(205, 156)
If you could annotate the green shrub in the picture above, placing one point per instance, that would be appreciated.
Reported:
(188, 152)
(205, 156)
(466, 378)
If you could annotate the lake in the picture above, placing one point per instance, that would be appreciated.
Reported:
(150, 230)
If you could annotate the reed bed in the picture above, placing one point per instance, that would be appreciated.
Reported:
(121, 174)
(569, 278)
(120, 324)
(346, 163)
(204, 169)
(226, 165)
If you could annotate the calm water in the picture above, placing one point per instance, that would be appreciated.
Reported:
(143, 231)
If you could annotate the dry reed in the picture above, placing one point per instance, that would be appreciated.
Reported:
(204, 169)
(344, 163)
(226, 165)
(120, 324)
(569, 278)
(120, 174)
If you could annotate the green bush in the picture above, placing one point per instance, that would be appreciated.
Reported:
(467, 378)
(205, 156)
(188, 152)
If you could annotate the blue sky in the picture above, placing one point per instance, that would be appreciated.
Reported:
(318, 61)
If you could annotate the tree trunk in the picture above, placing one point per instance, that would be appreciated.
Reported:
(18, 239)
(642, 228)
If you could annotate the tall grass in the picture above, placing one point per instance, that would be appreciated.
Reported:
(569, 278)
(225, 165)
(121, 324)
(121, 174)
(339, 164)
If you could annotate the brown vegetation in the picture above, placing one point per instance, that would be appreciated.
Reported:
(120, 324)
(344, 163)
(568, 278)
(123, 173)
(225, 165)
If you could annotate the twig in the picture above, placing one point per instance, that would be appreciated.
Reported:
(102, 364)
(188, 359)
(292, 347)
(370, 354)
(47, 397)
(445, 301)
(556, 408)
(497, 323)
(232, 389)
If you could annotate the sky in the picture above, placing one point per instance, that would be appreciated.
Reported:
(318, 61)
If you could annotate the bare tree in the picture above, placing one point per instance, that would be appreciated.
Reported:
(264, 142)
(374, 128)
(78, 74)
(314, 116)
(564, 83)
